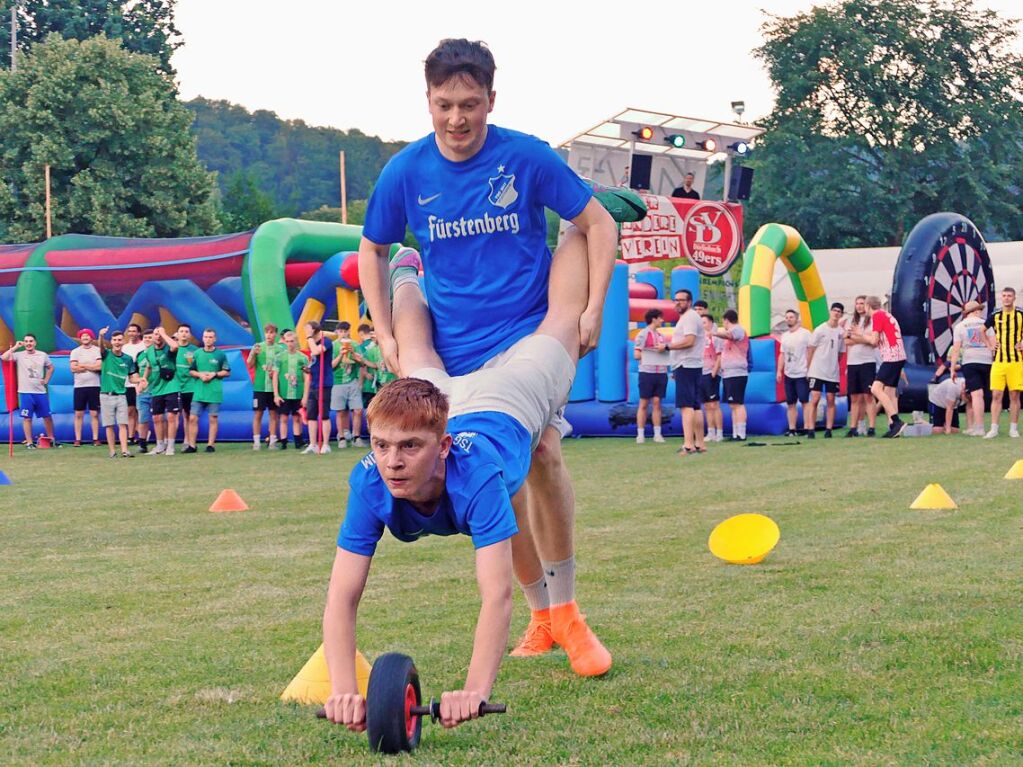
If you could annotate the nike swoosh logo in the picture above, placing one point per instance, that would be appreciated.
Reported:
(428, 200)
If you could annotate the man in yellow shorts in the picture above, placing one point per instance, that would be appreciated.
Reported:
(1007, 370)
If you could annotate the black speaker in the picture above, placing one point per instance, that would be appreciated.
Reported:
(739, 186)
(639, 176)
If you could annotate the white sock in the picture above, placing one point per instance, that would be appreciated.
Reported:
(657, 431)
(536, 594)
(560, 578)
(255, 439)
(742, 430)
(273, 439)
(169, 444)
(348, 435)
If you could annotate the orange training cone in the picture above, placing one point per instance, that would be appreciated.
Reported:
(934, 497)
(1016, 472)
(312, 683)
(229, 500)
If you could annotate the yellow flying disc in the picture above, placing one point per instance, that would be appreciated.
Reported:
(744, 539)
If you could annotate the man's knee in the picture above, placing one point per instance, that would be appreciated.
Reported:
(547, 456)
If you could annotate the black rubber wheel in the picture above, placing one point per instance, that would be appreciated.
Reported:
(393, 690)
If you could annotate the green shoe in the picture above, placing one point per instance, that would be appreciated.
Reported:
(623, 204)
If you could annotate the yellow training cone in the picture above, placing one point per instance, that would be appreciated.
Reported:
(744, 539)
(312, 683)
(934, 497)
(1016, 472)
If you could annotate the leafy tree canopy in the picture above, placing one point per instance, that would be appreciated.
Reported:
(143, 26)
(123, 161)
(296, 165)
(887, 111)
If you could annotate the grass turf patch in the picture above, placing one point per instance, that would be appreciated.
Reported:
(137, 628)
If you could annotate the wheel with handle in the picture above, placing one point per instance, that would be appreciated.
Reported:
(392, 693)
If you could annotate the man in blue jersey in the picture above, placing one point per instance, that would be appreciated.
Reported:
(474, 195)
(448, 455)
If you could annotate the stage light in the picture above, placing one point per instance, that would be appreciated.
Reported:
(709, 145)
(677, 140)
(739, 147)
(644, 134)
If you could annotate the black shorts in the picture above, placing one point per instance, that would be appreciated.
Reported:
(653, 385)
(938, 416)
(166, 403)
(87, 397)
(796, 390)
(687, 387)
(888, 373)
(735, 390)
(186, 402)
(824, 387)
(263, 400)
(860, 377)
(977, 375)
(290, 407)
(132, 396)
(710, 388)
(312, 405)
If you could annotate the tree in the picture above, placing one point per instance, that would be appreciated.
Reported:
(122, 158)
(143, 26)
(244, 205)
(887, 111)
(294, 163)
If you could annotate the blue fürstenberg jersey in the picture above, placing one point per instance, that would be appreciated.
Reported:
(488, 463)
(482, 234)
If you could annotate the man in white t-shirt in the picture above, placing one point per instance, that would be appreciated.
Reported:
(650, 349)
(826, 345)
(973, 343)
(945, 398)
(792, 367)
(34, 373)
(133, 346)
(687, 365)
(86, 362)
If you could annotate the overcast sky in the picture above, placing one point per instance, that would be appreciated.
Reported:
(563, 65)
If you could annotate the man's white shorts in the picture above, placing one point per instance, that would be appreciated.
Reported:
(529, 381)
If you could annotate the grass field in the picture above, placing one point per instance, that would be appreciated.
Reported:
(137, 628)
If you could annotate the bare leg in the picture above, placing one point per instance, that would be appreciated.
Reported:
(413, 331)
(133, 419)
(356, 424)
(95, 425)
(48, 425)
(110, 440)
(641, 417)
(26, 424)
(79, 419)
(214, 424)
(525, 562)
(1013, 408)
(257, 424)
(829, 422)
(122, 431)
(656, 415)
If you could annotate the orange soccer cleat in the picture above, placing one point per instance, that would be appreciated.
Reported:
(586, 654)
(537, 638)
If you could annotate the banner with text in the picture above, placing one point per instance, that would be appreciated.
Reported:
(707, 233)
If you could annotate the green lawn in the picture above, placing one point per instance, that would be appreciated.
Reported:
(137, 628)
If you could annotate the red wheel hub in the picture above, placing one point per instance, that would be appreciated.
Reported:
(410, 720)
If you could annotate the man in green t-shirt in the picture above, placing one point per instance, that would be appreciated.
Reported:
(186, 353)
(117, 368)
(346, 393)
(290, 382)
(209, 368)
(160, 367)
(262, 359)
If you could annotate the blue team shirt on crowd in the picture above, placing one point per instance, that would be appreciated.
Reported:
(482, 233)
(488, 463)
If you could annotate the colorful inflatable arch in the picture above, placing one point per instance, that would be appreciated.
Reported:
(771, 243)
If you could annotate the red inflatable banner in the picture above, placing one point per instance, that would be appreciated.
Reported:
(706, 233)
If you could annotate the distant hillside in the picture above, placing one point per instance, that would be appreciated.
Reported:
(294, 164)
